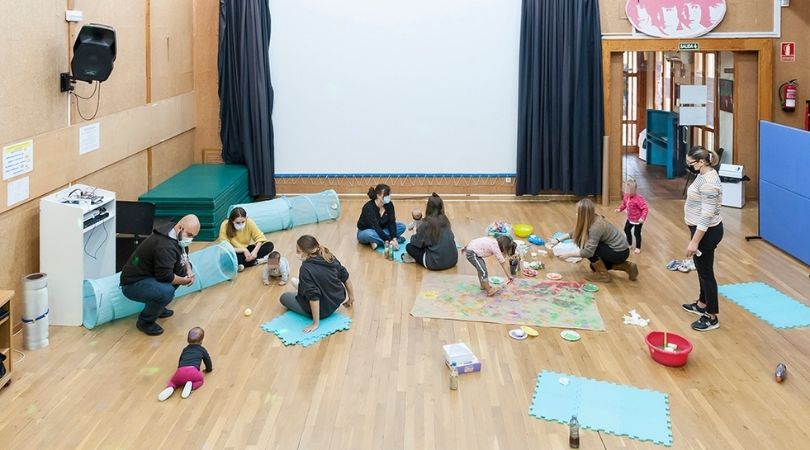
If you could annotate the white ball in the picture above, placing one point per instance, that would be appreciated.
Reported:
(248, 312)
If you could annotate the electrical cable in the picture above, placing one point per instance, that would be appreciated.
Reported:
(95, 88)
(98, 102)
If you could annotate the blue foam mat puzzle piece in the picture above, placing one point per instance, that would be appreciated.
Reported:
(768, 304)
(602, 406)
(397, 253)
(289, 327)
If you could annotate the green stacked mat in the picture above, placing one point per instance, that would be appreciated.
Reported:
(205, 190)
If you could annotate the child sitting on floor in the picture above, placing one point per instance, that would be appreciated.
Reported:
(188, 372)
(637, 210)
(417, 220)
(478, 249)
(277, 266)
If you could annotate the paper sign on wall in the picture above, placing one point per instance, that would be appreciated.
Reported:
(788, 51)
(89, 138)
(18, 159)
(17, 191)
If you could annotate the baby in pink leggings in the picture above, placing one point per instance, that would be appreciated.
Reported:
(188, 372)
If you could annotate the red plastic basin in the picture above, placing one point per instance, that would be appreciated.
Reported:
(673, 359)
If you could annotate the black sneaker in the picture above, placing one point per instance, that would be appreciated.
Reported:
(705, 323)
(150, 328)
(693, 308)
(166, 313)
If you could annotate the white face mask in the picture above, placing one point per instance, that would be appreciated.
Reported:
(387, 199)
(185, 242)
(239, 226)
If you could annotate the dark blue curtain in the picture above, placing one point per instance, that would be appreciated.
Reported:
(245, 91)
(560, 111)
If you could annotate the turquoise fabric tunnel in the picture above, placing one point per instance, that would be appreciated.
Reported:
(287, 212)
(104, 301)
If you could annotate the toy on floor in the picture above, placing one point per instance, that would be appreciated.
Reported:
(461, 355)
(662, 352)
(523, 230)
(188, 372)
(570, 335)
(248, 312)
(518, 334)
(781, 372)
(534, 239)
(499, 229)
(530, 331)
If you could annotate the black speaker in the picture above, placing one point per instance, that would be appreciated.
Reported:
(93, 53)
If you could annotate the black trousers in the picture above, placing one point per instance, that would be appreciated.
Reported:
(417, 253)
(705, 266)
(628, 228)
(609, 256)
(265, 250)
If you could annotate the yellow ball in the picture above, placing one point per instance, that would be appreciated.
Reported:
(523, 230)
(248, 312)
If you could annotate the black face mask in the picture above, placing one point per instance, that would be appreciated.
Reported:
(692, 169)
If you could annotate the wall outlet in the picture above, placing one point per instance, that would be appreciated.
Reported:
(508, 179)
(73, 15)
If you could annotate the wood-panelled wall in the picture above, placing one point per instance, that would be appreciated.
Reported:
(146, 110)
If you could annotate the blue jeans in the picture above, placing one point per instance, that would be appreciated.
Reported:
(153, 293)
(369, 235)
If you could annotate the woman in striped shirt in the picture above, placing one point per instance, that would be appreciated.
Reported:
(702, 216)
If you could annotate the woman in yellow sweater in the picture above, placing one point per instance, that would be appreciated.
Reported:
(251, 246)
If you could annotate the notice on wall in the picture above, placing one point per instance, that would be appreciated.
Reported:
(89, 138)
(17, 191)
(18, 159)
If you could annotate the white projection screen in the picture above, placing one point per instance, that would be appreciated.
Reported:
(395, 87)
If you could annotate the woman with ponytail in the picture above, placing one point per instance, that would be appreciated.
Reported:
(434, 245)
(702, 215)
(378, 224)
(324, 283)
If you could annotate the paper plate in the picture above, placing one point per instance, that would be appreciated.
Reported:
(569, 335)
(496, 280)
(590, 287)
(529, 330)
(518, 334)
(554, 276)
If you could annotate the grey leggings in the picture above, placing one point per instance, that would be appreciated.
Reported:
(289, 301)
(478, 263)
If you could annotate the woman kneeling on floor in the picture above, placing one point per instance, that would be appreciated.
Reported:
(601, 243)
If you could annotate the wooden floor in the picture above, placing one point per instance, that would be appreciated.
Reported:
(382, 384)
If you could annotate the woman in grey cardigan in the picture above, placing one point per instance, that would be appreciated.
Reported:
(601, 243)
(434, 245)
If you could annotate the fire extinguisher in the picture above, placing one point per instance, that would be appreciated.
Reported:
(787, 95)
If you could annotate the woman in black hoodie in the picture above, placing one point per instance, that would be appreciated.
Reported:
(324, 283)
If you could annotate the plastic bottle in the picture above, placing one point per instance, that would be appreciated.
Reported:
(387, 250)
(391, 253)
(573, 432)
(453, 377)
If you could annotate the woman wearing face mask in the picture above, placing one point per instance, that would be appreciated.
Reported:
(702, 215)
(377, 224)
(324, 283)
(251, 246)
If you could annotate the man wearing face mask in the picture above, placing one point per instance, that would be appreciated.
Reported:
(377, 224)
(157, 267)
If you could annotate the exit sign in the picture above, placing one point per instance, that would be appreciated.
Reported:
(689, 46)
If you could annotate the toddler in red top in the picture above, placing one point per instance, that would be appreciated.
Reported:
(636, 208)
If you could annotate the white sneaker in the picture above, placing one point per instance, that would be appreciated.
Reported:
(407, 258)
(166, 393)
(374, 246)
(261, 260)
(240, 268)
(186, 390)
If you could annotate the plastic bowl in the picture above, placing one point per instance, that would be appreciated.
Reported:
(523, 230)
(672, 359)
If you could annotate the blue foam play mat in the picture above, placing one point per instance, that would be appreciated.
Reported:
(289, 327)
(397, 253)
(768, 304)
(602, 406)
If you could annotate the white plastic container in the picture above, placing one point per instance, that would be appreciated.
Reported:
(35, 311)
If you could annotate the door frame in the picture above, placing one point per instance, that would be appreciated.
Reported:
(612, 171)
